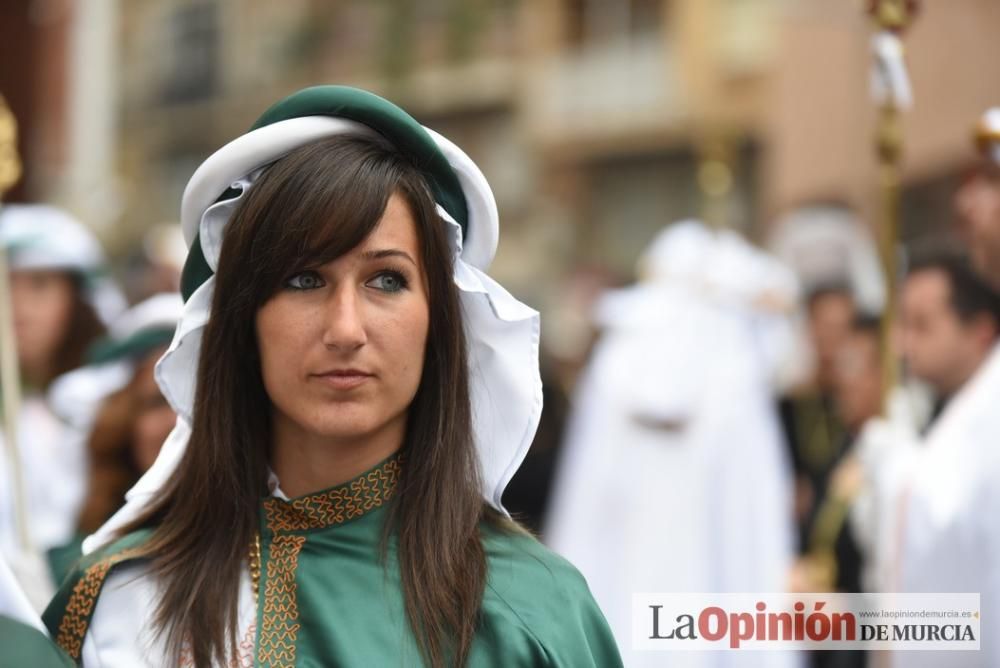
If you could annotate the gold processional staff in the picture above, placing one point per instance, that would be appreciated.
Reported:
(893, 96)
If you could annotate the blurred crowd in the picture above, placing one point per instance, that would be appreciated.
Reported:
(751, 420)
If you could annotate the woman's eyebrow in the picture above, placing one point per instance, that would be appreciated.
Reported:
(388, 252)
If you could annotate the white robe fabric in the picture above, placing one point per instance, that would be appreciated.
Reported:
(54, 469)
(122, 630)
(950, 509)
(14, 603)
(54, 473)
(122, 633)
(885, 449)
(673, 476)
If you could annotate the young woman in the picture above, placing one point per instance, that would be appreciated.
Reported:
(354, 394)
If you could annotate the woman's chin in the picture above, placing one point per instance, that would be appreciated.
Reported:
(348, 428)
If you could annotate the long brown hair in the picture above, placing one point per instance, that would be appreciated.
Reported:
(308, 208)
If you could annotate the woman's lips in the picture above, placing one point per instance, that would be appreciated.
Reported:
(344, 380)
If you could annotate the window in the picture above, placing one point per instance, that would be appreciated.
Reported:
(192, 53)
(591, 22)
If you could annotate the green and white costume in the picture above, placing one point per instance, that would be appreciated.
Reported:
(324, 598)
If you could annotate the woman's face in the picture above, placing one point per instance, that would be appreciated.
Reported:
(43, 306)
(342, 345)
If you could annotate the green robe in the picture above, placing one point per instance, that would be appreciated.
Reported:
(22, 646)
(326, 599)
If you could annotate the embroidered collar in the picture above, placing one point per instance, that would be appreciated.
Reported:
(335, 505)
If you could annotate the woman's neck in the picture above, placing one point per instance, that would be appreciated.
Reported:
(306, 462)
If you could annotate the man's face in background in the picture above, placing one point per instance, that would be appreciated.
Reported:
(858, 378)
(938, 346)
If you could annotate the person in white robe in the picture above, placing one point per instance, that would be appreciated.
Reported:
(672, 477)
(933, 496)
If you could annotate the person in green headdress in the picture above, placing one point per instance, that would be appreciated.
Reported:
(115, 408)
(354, 392)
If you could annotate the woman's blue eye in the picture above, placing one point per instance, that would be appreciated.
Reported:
(307, 280)
(389, 281)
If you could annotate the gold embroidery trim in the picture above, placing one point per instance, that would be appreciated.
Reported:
(337, 505)
(76, 619)
(279, 620)
(279, 623)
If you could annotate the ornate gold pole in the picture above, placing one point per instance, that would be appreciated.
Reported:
(892, 92)
(10, 382)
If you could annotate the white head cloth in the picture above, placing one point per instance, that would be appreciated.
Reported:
(39, 236)
(76, 396)
(502, 333)
(827, 244)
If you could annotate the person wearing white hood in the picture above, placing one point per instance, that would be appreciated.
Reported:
(672, 476)
(354, 393)
(117, 410)
(61, 303)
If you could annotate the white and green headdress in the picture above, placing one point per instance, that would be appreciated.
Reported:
(39, 236)
(502, 333)
(149, 325)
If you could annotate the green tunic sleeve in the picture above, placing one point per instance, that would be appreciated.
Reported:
(539, 601)
(22, 645)
(68, 614)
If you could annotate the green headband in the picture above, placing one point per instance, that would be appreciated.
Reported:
(377, 113)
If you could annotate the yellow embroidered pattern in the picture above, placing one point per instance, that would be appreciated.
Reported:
(279, 626)
(76, 619)
(279, 619)
(335, 506)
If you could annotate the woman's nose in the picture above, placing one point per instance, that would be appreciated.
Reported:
(345, 325)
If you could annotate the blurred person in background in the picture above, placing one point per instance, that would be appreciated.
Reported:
(673, 454)
(813, 427)
(858, 375)
(61, 301)
(832, 560)
(115, 406)
(978, 200)
(948, 323)
(571, 335)
(948, 499)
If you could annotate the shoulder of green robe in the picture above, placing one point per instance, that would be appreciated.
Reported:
(25, 645)
(69, 612)
(536, 589)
